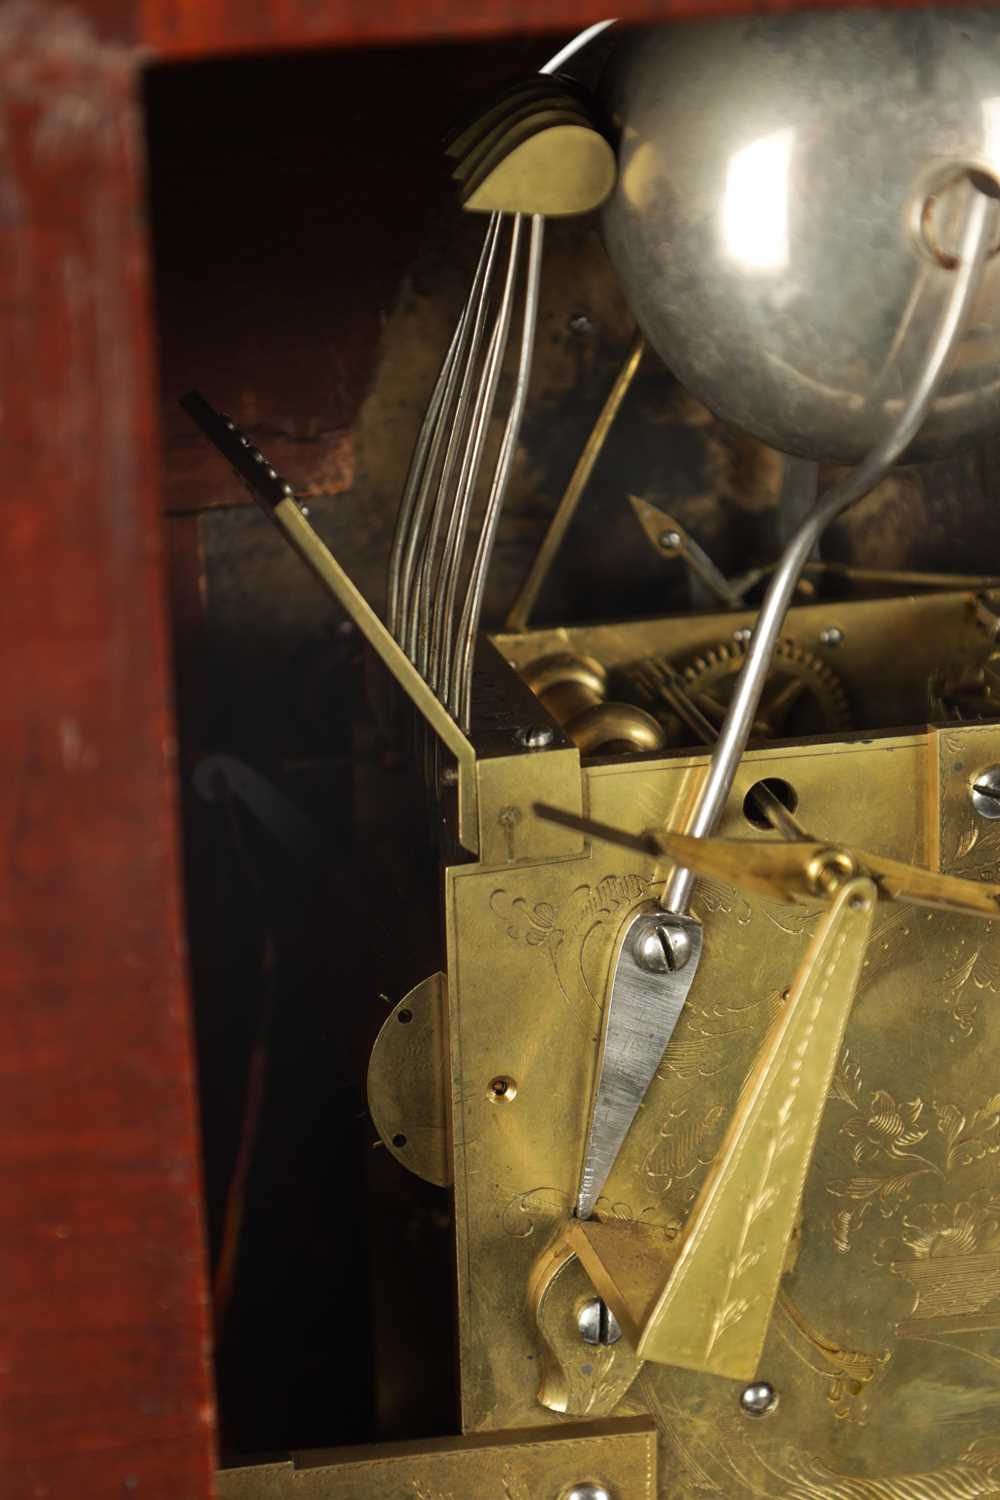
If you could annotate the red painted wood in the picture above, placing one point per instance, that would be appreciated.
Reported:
(179, 28)
(193, 28)
(104, 1377)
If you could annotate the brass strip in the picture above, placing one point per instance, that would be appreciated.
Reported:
(517, 619)
(314, 551)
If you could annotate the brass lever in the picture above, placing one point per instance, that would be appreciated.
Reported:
(794, 869)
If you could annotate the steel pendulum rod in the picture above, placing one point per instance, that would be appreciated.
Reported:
(433, 437)
(456, 426)
(406, 540)
(743, 706)
(458, 524)
(460, 687)
(429, 427)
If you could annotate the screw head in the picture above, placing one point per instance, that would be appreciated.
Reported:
(758, 1399)
(589, 1489)
(832, 636)
(985, 792)
(597, 1323)
(670, 541)
(743, 634)
(535, 736)
(661, 945)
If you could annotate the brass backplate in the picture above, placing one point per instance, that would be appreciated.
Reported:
(885, 1348)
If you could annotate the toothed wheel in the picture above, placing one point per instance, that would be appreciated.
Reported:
(802, 694)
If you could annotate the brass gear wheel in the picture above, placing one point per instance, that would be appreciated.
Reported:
(802, 694)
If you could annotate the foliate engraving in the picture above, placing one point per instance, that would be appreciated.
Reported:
(969, 1138)
(574, 935)
(969, 976)
(682, 1147)
(847, 1373)
(894, 1143)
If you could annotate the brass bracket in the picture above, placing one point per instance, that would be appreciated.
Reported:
(616, 1456)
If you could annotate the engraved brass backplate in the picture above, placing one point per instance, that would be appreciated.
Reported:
(618, 1457)
(885, 1344)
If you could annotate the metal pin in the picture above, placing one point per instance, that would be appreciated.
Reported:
(758, 1399)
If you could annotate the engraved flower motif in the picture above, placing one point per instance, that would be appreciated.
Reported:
(530, 924)
(885, 1126)
(934, 1230)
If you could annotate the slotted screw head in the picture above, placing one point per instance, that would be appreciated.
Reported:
(985, 792)
(597, 1323)
(661, 946)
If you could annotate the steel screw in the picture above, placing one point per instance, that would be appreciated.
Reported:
(759, 1399)
(662, 947)
(985, 792)
(832, 636)
(743, 634)
(535, 736)
(670, 541)
(588, 1490)
(597, 1323)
